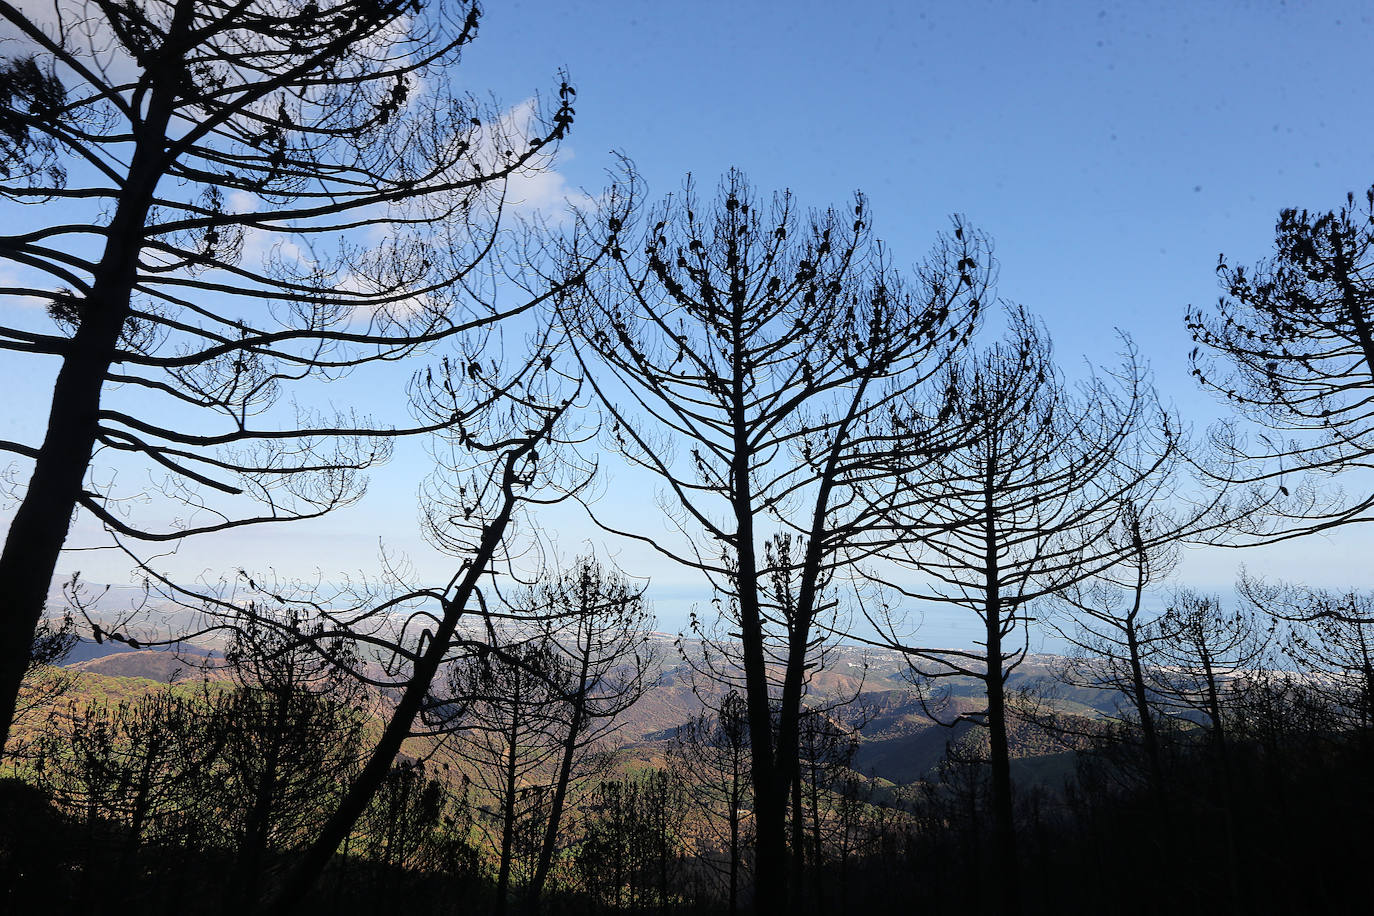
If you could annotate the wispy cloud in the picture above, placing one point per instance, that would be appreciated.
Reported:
(545, 191)
(12, 280)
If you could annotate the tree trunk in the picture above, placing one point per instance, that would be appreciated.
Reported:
(1003, 820)
(817, 859)
(508, 804)
(798, 838)
(258, 824)
(560, 789)
(307, 871)
(735, 799)
(1149, 734)
(40, 523)
(1005, 866)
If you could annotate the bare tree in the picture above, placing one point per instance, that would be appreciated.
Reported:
(599, 628)
(418, 821)
(1291, 346)
(1110, 619)
(1204, 654)
(1022, 508)
(291, 737)
(538, 716)
(508, 733)
(45, 682)
(1205, 657)
(509, 449)
(1112, 632)
(144, 767)
(214, 180)
(825, 756)
(1329, 638)
(714, 748)
(742, 351)
(632, 848)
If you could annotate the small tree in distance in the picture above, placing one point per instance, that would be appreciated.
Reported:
(1109, 619)
(598, 627)
(1328, 634)
(45, 681)
(508, 734)
(538, 719)
(714, 748)
(291, 737)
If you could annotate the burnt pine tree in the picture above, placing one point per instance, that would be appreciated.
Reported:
(291, 737)
(1329, 633)
(742, 350)
(715, 660)
(1205, 652)
(1205, 655)
(1107, 619)
(598, 627)
(503, 454)
(714, 747)
(828, 748)
(419, 821)
(507, 733)
(45, 680)
(1290, 345)
(213, 181)
(147, 767)
(1111, 629)
(537, 715)
(1020, 510)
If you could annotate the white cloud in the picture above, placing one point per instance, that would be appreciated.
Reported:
(21, 279)
(85, 31)
(542, 191)
(259, 244)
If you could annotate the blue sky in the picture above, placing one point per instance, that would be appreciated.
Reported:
(1111, 151)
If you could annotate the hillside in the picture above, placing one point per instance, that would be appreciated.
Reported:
(168, 665)
(900, 739)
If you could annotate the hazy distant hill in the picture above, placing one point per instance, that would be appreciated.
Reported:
(900, 741)
(164, 666)
(87, 650)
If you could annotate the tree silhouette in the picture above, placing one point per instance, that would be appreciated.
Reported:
(137, 773)
(1205, 658)
(597, 625)
(742, 351)
(536, 716)
(1291, 346)
(1113, 634)
(1204, 654)
(45, 682)
(507, 452)
(291, 737)
(631, 853)
(508, 732)
(1329, 637)
(1021, 509)
(1111, 625)
(238, 202)
(714, 748)
(417, 821)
